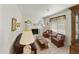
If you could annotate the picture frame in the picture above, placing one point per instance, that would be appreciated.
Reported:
(13, 24)
(18, 24)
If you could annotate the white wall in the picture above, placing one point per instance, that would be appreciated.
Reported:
(67, 26)
(6, 36)
(36, 11)
(1, 29)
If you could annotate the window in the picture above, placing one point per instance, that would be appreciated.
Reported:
(57, 24)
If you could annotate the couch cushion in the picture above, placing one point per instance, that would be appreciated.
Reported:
(60, 36)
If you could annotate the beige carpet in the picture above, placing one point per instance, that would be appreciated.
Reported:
(53, 49)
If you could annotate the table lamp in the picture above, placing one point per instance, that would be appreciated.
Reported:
(27, 38)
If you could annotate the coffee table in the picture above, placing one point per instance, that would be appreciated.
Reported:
(43, 44)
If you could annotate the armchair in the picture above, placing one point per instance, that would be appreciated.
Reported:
(58, 40)
(47, 33)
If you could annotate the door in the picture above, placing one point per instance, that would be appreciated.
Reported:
(74, 48)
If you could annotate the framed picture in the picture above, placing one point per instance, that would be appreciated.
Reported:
(13, 24)
(18, 24)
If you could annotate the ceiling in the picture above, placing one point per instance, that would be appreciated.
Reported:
(37, 11)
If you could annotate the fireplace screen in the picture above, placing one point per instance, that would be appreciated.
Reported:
(35, 31)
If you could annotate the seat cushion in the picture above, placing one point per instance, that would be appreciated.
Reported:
(59, 37)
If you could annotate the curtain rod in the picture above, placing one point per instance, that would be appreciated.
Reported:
(58, 16)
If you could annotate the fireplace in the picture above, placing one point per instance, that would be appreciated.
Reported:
(35, 31)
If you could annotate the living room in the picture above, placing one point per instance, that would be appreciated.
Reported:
(46, 21)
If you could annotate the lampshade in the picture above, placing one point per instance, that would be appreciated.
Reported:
(27, 37)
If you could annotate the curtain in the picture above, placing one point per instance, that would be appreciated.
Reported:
(57, 24)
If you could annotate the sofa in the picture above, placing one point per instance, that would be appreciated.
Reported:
(58, 40)
(18, 48)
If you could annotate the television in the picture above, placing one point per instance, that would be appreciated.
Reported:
(35, 31)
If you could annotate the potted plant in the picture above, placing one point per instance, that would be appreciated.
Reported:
(28, 24)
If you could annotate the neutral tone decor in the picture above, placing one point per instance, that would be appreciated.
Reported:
(13, 24)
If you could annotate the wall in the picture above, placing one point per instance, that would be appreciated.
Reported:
(1, 29)
(67, 26)
(6, 36)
